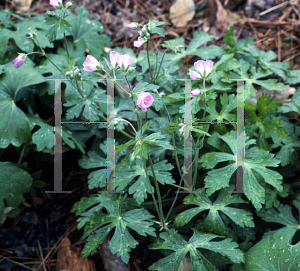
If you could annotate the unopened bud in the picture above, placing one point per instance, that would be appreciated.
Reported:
(69, 4)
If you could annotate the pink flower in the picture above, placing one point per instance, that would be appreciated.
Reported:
(90, 64)
(125, 60)
(132, 26)
(113, 56)
(138, 43)
(144, 101)
(203, 69)
(195, 92)
(18, 62)
(55, 3)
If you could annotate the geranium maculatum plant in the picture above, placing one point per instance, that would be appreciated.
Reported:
(212, 226)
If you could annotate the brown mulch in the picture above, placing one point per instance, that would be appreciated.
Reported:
(275, 29)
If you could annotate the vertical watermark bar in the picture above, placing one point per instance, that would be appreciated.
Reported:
(110, 137)
(57, 138)
(240, 136)
(188, 155)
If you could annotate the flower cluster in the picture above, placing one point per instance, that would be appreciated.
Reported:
(138, 43)
(117, 61)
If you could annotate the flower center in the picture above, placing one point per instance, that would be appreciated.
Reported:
(145, 101)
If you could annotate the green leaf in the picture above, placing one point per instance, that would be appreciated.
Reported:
(86, 30)
(122, 241)
(268, 127)
(229, 38)
(56, 23)
(141, 88)
(124, 109)
(213, 222)
(264, 58)
(14, 79)
(96, 178)
(283, 215)
(274, 253)
(209, 52)
(256, 161)
(153, 29)
(294, 77)
(199, 39)
(14, 126)
(271, 195)
(43, 138)
(228, 103)
(293, 106)
(173, 241)
(87, 104)
(288, 154)
(124, 175)
(19, 35)
(71, 139)
(13, 186)
(242, 73)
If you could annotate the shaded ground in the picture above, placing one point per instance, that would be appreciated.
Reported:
(37, 232)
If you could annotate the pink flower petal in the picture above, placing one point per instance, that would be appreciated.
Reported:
(195, 92)
(90, 64)
(132, 26)
(194, 75)
(144, 101)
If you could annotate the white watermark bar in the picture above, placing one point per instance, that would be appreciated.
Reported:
(57, 138)
(110, 137)
(188, 156)
(240, 136)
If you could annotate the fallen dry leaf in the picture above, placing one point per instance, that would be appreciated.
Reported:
(181, 12)
(111, 261)
(69, 258)
(23, 5)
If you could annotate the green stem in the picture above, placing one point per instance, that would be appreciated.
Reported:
(176, 196)
(117, 83)
(157, 191)
(66, 44)
(186, 62)
(173, 139)
(22, 153)
(204, 100)
(161, 63)
(196, 164)
(121, 131)
(149, 61)
(78, 88)
(53, 63)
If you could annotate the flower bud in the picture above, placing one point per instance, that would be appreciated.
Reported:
(131, 70)
(68, 4)
(133, 26)
(145, 33)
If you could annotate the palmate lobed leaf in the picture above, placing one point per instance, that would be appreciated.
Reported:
(213, 222)
(140, 188)
(283, 215)
(173, 241)
(256, 161)
(122, 241)
(268, 127)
